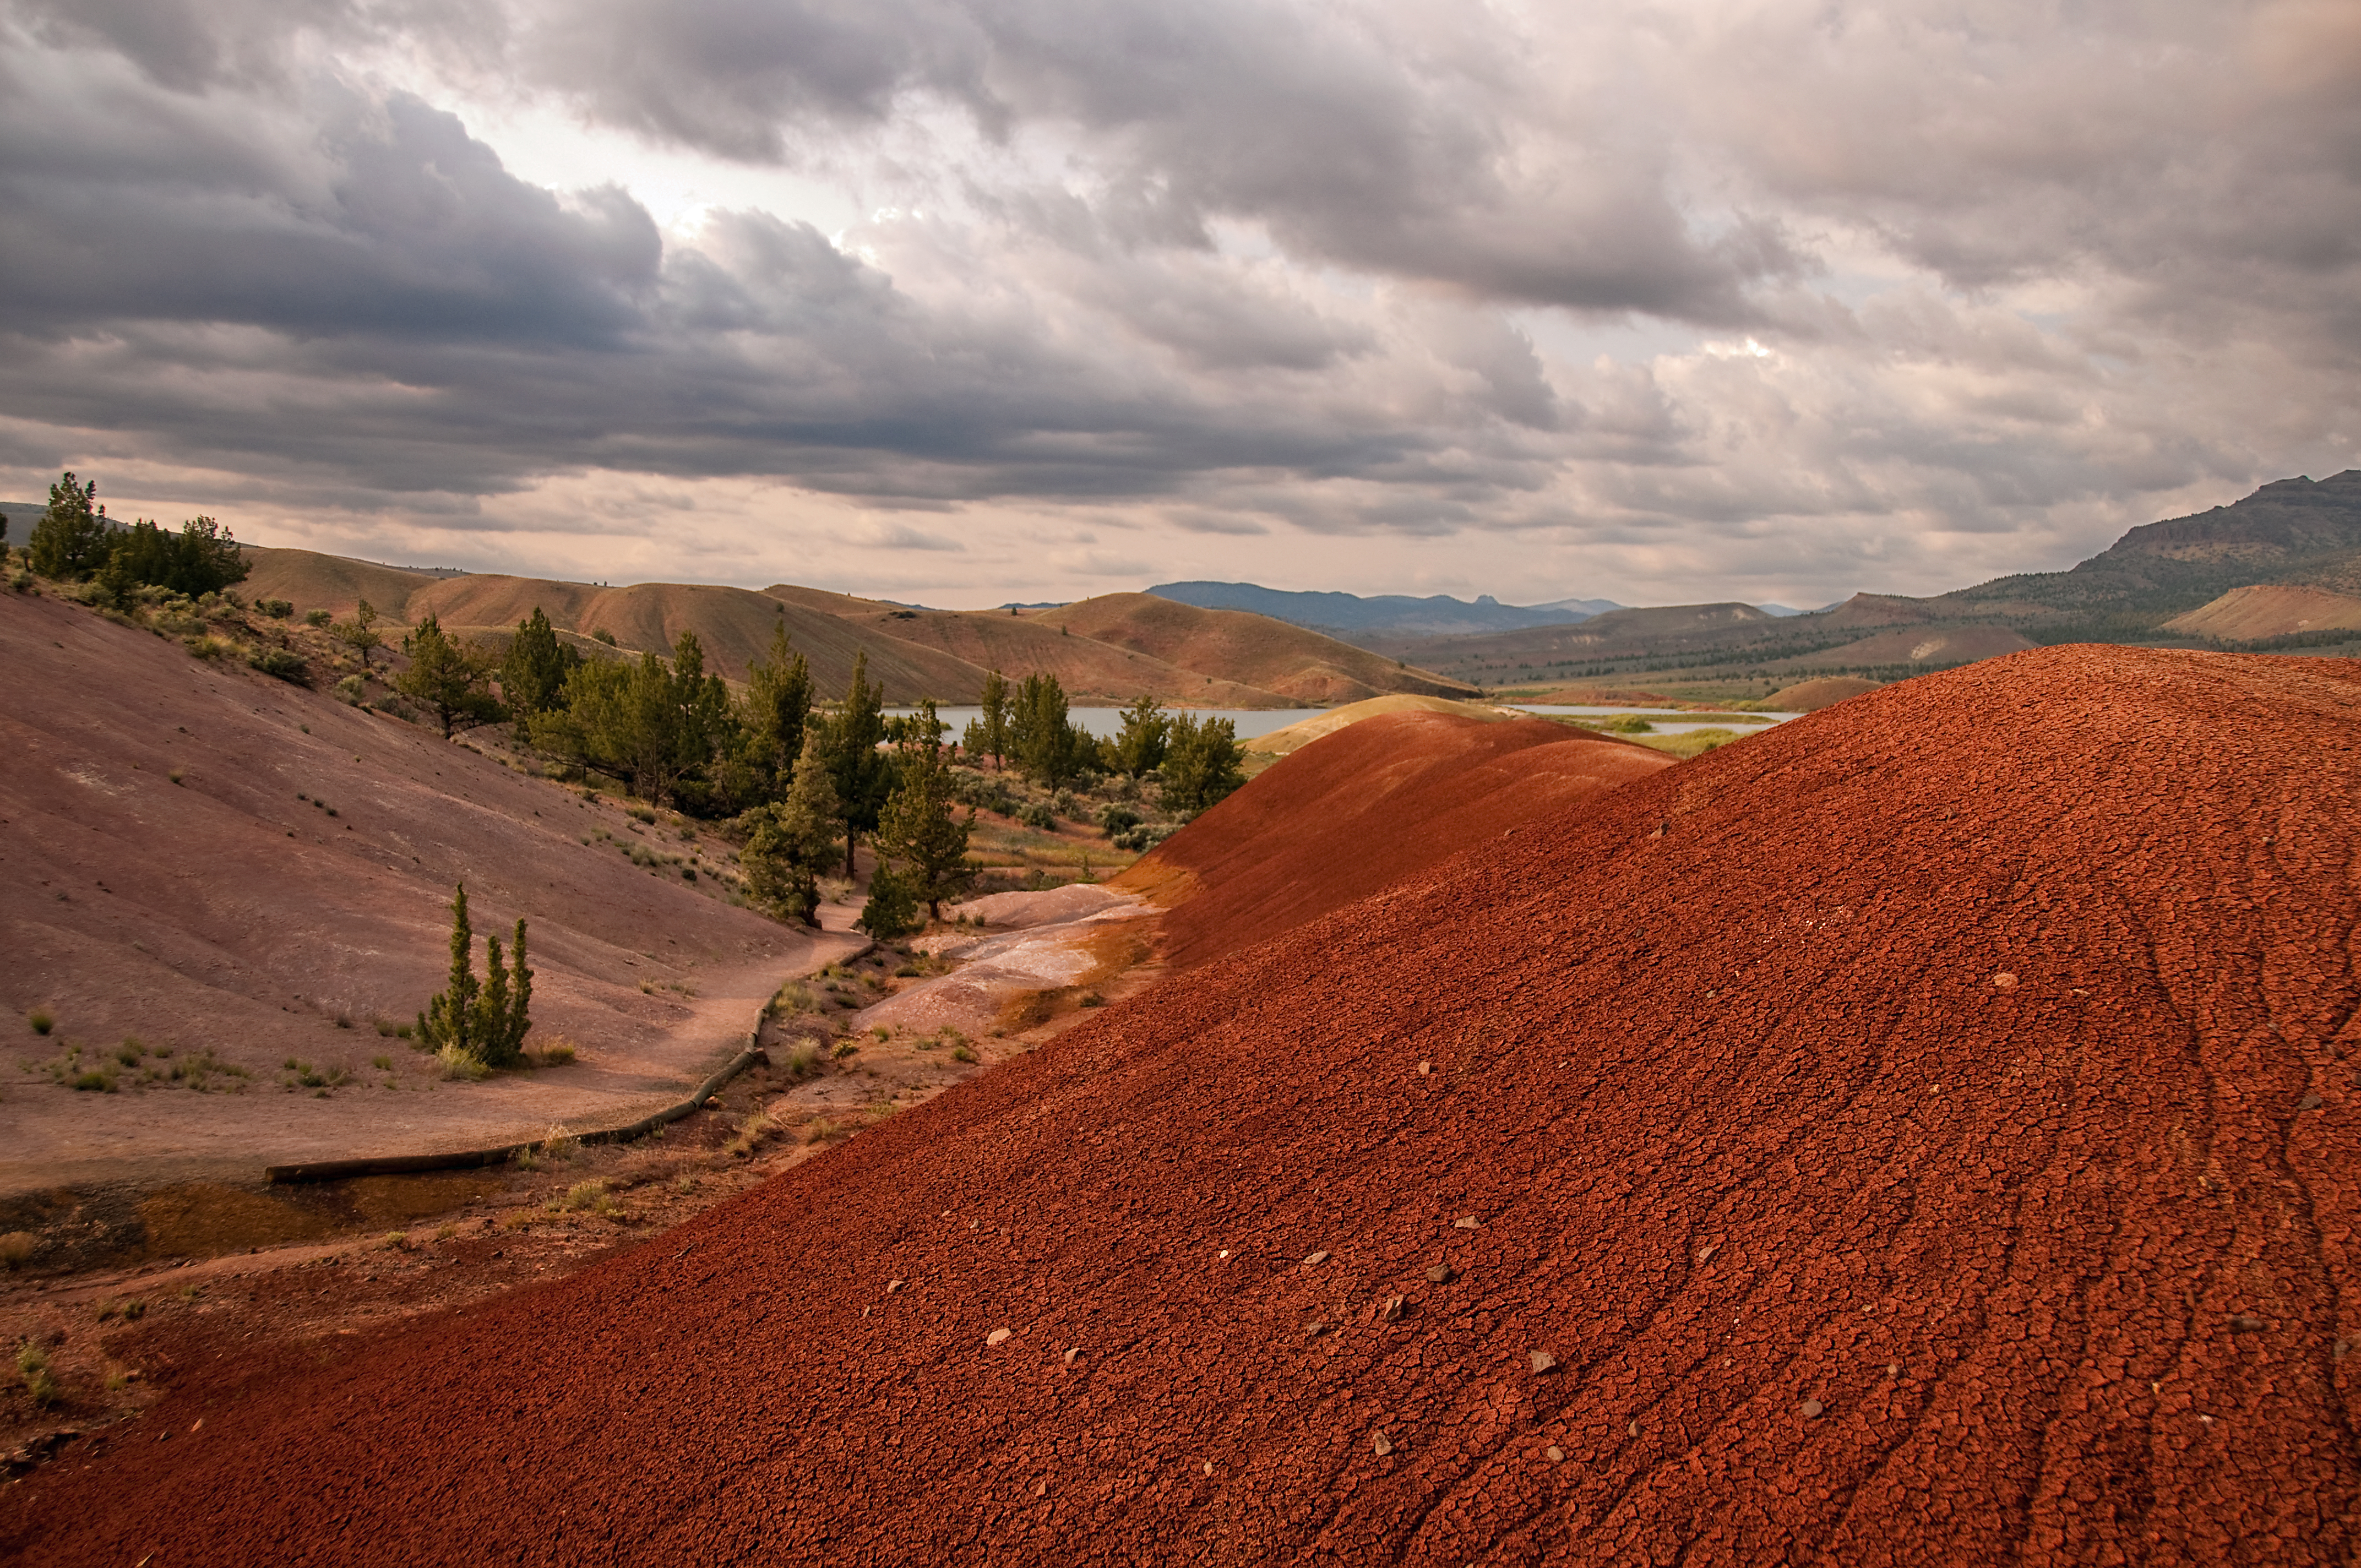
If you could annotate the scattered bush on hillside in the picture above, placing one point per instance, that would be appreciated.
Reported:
(277, 610)
(16, 1249)
(280, 664)
(316, 617)
(1033, 814)
(42, 1020)
(33, 1366)
(1116, 821)
(352, 689)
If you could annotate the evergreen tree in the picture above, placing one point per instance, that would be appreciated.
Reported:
(360, 633)
(451, 681)
(793, 842)
(778, 707)
(1043, 739)
(994, 722)
(893, 907)
(70, 543)
(915, 829)
(450, 1018)
(1147, 733)
(861, 773)
(486, 1019)
(533, 671)
(1203, 764)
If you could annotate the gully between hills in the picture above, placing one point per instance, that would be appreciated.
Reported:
(1923, 1133)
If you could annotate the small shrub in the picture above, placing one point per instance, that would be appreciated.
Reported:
(559, 1144)
(99, 1082)
(1628, 724)
(822, 1131)
(750, 1133)
(129, 1052)
(277, 610)
(176, 776)
(1115, 820)
(556, 1053)
(962, 1053)
(589, 1197)
(462, 1064)
(516, 1219)
(844, 1049)
(33, 1366)
(351, 689)
(396, 1241)
(383, 1064)
(205, 647)
(386, 1028)
(316, 617)
(42, 1020)
(344, 1020)
(16, 1249)
(804, 1061)
(1033, 814)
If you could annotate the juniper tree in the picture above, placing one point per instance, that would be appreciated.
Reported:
(533, 671)
(485, 1019)
(862, 774)
(360, 633)
(447, 678)
(794, 841)
(915, 829)
(70, 543)
(1203, 765)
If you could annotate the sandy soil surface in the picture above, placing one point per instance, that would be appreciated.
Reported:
(1913, 1136)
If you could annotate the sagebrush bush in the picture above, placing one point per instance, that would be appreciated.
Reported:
(16, 1249)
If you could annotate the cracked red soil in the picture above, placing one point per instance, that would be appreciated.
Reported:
(1923, 1133)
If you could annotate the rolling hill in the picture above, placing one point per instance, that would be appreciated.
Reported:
(1911, 1137)
(1301, 665)
(1361, 808)
(1353, 617)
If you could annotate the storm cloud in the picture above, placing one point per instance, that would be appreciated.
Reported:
(1655, 301)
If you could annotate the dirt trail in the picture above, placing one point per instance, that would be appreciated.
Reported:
(1926, 1133)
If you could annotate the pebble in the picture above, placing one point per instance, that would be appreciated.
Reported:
(1209, 1468)
(1392, 1310)
(1425, 1068)
(2241, 1323)
(1465, 1223)
(1542, 1361)
(1383, 1444)
(1556, 1455)
(1442, 1274)
(1812, 1409)
(892, 1286)
(1315, 1260)
(1705, 1252)
(1893, 1369)
(2310, 1102)
(1635, 1429)
(1313, 1331)
(1073, 1350)
(997, 1335)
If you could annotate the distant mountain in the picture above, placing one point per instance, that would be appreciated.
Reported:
(1353, 616)
(1781, 610)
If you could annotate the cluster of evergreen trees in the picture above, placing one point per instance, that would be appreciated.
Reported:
(75, 542)
(1030, 726)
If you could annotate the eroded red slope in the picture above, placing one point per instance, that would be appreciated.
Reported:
(1360, 809)
(1842, 1246)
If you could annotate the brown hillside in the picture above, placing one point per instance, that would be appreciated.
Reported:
(1300, 666)
(2269, 610)
(1359, 810)
(310, 580)
(1810, 696)
(734, 625)
(1089, 671)
(1914, 1136)
(1937, 647)
(1303, 732)
(1619, 634)
(212, 861)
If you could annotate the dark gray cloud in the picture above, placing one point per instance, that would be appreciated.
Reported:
(1954, 293)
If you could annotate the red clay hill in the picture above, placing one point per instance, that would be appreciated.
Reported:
(1925, 1133)
(1360, 809)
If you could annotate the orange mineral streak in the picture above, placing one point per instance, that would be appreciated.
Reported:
(1736, 1217)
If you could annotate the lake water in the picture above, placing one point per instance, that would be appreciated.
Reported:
(1107, 723)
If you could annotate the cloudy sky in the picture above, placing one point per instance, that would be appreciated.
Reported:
(960, 300)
